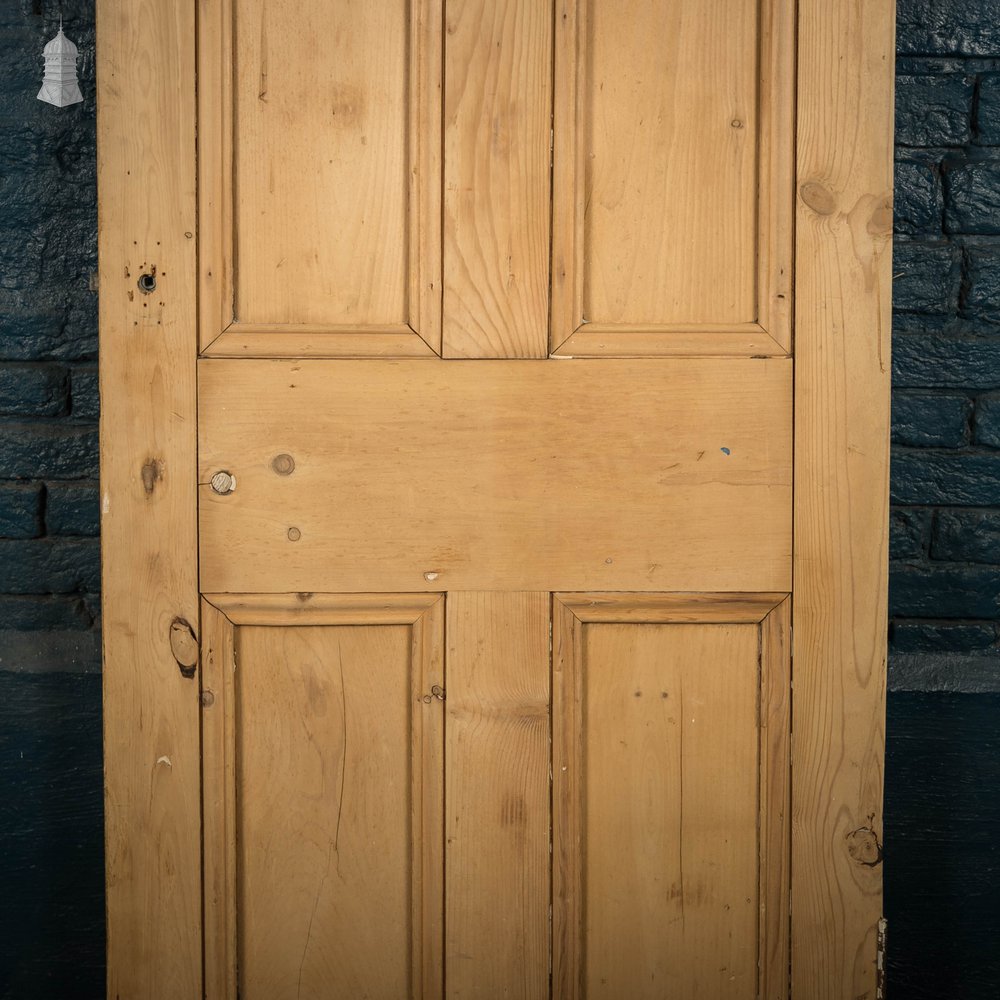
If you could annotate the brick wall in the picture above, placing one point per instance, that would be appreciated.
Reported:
(945, 541)
(49, 556)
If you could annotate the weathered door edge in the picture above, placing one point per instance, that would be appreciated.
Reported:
(147, 219)
(843, 301)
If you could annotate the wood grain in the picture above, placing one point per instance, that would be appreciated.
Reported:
(324, 745)
(655, 845)
(843, 294)
(609, 475)
(672, 209)
(498, 108)
(320, 190)
(324, 609)
(673, 608)
(147, 218)
(497, 766)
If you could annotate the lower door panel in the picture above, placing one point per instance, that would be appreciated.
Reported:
(486, 794)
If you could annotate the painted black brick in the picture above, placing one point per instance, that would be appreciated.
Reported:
(20, 510)
(908, 532)
(967, 478)
(981, 293)
(927, 277)
(931, 361)
(988, 111)
(931, 419)
(987, 420)
(948, 27)
(934, 110)
(43, 451)
(33, 390)
(967, 536)
(943, 637)
(945, 591)
(49, 566)
(973, 199)
(72, 509)
(919, 201)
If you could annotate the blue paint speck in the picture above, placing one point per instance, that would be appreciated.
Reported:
(725, 451)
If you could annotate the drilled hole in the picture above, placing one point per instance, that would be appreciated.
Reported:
(147, 283)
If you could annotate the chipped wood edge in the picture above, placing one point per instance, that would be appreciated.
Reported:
(147, 216)
(323, 609)
(670, 608)
(219, 802)
(842, 307)
(775, 802)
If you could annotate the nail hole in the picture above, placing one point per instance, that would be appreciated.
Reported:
(147, 282)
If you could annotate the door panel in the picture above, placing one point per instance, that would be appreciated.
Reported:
(672, 199)
(670, 787)
(320, 177)
(498, 119)
(497, 762)
(497, 475)
(323, 750)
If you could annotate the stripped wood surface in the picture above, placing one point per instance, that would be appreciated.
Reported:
(843, 300)
(497, 765)
(323, 758)
(320, 191)
(672, 180)
(147, 218)
(498, 111)
(656, 864)
(609, 475)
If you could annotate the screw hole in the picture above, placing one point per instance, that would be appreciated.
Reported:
(147, 283)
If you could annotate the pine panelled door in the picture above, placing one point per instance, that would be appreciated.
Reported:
(494, 469)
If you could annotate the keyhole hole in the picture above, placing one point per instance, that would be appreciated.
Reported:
(147, 283)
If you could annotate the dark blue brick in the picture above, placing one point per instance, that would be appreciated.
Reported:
(944, 591)
(981, 298)
(986, 425)
(988, 111)
(28, 613)
(930, 419)
(960, 479)
(941, 637)
(918, 200)
(33, 390)
(47, 451)
(908, 532)
(927, 361)
(72, 509)
(967, 536)
(933, 110)
(85, 394)
(43, 566)
(20, 510)
(948, 27)
(972, 199)
(927, 277)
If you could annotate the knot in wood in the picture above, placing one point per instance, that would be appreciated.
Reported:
(864, 847)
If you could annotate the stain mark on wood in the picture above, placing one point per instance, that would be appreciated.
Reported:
(152, 473)
(184, 646)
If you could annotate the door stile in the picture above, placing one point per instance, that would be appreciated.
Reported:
(147, 223)
(843, 315)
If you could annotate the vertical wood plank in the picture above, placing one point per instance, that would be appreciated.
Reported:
(843, 293)
(498, 104)
(147, 224)
(497, 773)
(219, 801)
(775, 801)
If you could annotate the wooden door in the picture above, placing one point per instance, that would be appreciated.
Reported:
(495, 403)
